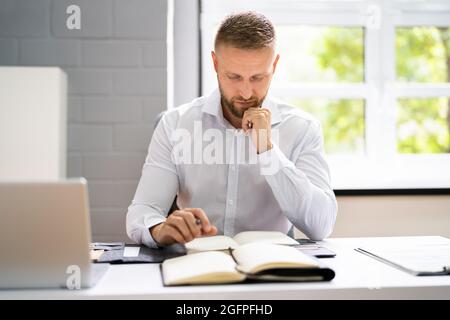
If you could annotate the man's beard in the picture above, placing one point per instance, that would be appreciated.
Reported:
(230, 104)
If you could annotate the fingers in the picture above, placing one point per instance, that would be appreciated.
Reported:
(176, 221)
(255, 115)
(190, 221)
(248, 118)
(174, 234)
(181, 226)
(211, 232)
(200, 214)
(253, 111)
(246, 121)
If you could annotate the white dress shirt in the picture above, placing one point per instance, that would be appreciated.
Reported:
(286, 185)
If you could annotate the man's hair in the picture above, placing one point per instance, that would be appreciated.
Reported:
(246, 30)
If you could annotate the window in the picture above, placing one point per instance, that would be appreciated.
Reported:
(320, 54)
(317, 54)
(423, 56)
(375, 73)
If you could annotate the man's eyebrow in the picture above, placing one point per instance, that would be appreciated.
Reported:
(232, 74)
(238, 75)
(259, 74)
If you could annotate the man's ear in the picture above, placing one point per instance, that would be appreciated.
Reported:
(275, 63)
(214, 58)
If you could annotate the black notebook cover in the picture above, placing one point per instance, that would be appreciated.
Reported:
(146, 255)
(321, 274)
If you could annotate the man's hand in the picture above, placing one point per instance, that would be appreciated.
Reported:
(181, 226)
(257, 120)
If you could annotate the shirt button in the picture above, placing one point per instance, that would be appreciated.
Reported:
(230, 202)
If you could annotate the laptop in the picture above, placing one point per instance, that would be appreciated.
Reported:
(45, 235)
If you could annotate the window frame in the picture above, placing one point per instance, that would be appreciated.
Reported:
(381, 167)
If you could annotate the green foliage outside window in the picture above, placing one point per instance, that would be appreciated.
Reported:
(422, 55)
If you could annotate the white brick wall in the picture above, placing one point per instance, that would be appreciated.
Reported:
(74, 107)
(155, 54)
(74, 165)
(141, 19)
(108, 223)
(90, 138)
(151, 107)
(112, 54)
(113, 166)
(21, 18)
(38, 52)
(116, 67)
(9, 51)
(112, 109)
(111, 193)
(84, 81)
(97, 19)
(140, 82)
(132, 137)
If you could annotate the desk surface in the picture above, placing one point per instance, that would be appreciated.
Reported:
(357, 277)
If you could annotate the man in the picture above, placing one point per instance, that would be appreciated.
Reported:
(288, 184)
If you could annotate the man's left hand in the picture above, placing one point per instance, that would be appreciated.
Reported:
(257, 121)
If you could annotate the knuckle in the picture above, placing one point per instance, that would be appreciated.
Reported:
(182, 214)
(177, 220)
(201, 210)
(175, 214)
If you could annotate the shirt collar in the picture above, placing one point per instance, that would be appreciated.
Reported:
(213, 106)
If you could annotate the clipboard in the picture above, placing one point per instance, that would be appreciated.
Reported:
(426, 260)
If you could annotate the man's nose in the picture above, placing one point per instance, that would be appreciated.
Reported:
(246, 91)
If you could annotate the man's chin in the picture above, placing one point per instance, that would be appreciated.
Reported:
(242, 107)
(239, 111)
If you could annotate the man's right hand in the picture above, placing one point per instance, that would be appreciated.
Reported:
(181, 227)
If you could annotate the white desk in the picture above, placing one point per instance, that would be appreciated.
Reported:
(357, 277)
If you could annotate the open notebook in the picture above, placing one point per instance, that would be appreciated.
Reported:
(225, 242)
(252, 261)
(117, 252)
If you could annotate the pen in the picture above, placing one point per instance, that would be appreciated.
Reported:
(199, 223)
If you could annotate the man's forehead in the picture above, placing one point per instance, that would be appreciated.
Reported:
(225, 49)
(245, 61)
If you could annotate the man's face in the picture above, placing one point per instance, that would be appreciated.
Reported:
(244, 76)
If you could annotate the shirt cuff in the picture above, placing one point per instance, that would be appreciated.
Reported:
(146, 237)
(273, 160)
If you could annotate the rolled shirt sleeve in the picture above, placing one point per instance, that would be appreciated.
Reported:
(156, 190)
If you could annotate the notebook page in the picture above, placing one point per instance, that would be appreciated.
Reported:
(210, 244)
(252, 255)
(264, 237)
(197, 264)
